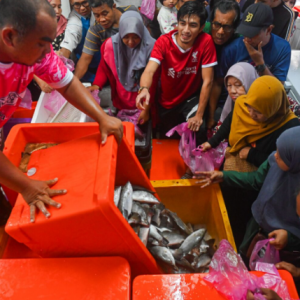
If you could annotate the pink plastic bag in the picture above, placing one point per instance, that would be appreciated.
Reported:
(229, 275)
(27, 100)
(148, 8)
(95, 95)
(131, 115)
(54, 102)
(263, 252)
(68, 63)
(187, 143)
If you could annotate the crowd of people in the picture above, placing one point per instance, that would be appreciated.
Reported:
(217, 65)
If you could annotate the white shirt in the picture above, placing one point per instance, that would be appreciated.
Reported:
(167, 19)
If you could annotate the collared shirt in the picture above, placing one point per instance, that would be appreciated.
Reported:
(73, 33)
(97, 34)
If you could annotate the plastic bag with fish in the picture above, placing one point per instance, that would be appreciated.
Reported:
(229, 275)
(187, 143)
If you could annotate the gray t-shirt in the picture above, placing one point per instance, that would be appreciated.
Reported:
(97, 34)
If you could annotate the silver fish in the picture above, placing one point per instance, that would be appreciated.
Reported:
(180, 224)
(163, 229)
(144, 234)
(156, 217)
(138, 209)
(144, 197)
(117, 195)
(203, 247)
(155, 234)
(125, 204)
(140, 188)
(174, 238)
(184, 263)
(134, 219)
(202, 261)
(152, 242)
(189, 243)
(163, 254)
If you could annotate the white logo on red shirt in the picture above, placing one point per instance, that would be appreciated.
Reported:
(171, 72)
(194, 55)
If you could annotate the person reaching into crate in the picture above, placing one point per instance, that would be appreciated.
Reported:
(28, 28)
(276, 210)
(124, 58)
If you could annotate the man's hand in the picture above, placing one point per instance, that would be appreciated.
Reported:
(111, 125)
(38, 193)
(93, 88)
(267, 293)
(256, 55)
(143, 99)
(244, 152)
(209, 177)
(295, 272)
(144, 116)
(46, 88)
(205, 146)
(280, 238)
(195, 122)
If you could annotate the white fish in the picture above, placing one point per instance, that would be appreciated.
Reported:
(163, 254)
(117, 195)
(144, 197)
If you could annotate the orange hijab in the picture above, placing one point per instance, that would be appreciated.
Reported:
(266, 95)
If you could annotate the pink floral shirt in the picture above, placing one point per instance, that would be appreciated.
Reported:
(14, 78)
(167, 19)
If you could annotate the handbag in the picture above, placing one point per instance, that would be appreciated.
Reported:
(233, 162)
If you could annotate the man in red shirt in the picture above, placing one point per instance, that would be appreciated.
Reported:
(187, 57)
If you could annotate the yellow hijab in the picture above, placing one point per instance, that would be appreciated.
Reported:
(266, 95)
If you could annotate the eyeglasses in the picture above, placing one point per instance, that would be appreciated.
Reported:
(217, 26)
(77, 5)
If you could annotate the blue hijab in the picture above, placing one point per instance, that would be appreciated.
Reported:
(275, 207)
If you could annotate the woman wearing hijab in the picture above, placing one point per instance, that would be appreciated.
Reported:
(257, 121)
(60, 34)
(124, 57)
(276, 209)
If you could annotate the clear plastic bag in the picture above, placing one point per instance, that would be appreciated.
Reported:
(265, 253)
(229, 275)
(148, 8)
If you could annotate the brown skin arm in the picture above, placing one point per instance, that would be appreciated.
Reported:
(83, 65)
(207, 75)
(35, 193)
(65, 52)
(82, 99)
(213, 101)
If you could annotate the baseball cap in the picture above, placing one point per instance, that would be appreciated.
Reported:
(255, 17)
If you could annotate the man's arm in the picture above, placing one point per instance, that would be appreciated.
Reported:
(146, 82)
(83, 65)
(197, 120)
(82, 99)
(65, 52)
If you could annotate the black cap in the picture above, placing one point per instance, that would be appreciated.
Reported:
(255, 17)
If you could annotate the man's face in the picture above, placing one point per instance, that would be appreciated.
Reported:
(82, 7)
(33, 47)
(221, 35)
(263, 36)
(188, 29)
(105, 15)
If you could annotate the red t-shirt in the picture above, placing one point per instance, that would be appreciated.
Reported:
(14, 78)
(181, 69)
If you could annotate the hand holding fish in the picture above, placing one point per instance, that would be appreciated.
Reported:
(38, 193)
(209, 178)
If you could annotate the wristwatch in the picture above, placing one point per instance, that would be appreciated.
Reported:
(260, 68)
(141, 88)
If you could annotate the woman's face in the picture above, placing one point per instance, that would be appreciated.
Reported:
(256, 115)
(56, 4)
(131, 40)
(281, 164)
(235, 88)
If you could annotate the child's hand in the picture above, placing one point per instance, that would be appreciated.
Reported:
(280, 238)
(295, 272)
(209, 177)
(205, 146)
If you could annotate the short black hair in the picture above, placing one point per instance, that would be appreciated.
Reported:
(21, 14)
(224, 6)
(193, 8)
(97, 3)
(162, 2)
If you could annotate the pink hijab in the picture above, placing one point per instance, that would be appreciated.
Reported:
(61, 24)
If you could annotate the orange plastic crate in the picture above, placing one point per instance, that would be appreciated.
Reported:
(65, 278)
(187, 287)
(22, 134)
(88, 223)
(24, 112)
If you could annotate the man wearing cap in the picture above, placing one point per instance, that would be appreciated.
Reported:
(269, 53)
